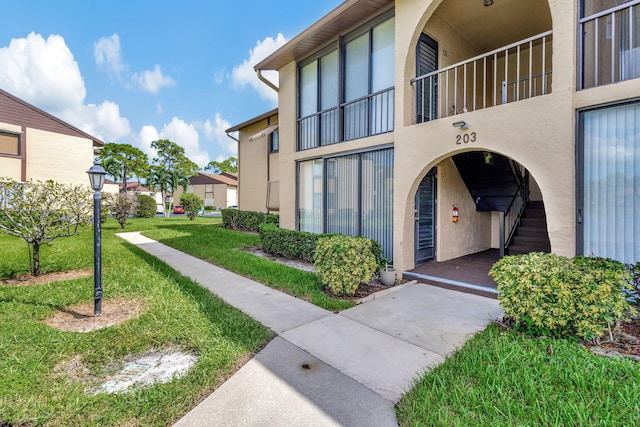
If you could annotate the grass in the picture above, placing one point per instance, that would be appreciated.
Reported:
(502, 378)
(219, 246)
(179, 314)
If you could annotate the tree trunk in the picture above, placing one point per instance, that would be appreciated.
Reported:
(36, 259)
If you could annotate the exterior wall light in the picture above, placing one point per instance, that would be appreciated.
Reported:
(488, 2)
(461, 125)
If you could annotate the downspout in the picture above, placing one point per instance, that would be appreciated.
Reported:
(264, 80)
(238, 185)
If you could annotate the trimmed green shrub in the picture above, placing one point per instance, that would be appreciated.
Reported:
(634, 293)
(236, 219)
(344, 261)
(209, 208)
(146, 207)
(548, 294)
(288, 243)
(191, 204)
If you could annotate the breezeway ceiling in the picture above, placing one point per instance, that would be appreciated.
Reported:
(504, 22)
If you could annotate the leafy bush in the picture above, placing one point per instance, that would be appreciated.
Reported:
(209, 208)
(344, 261)
(548, 294)
(288, 243)
(191, 204)
(634, 292)
(146, 207)
(104, 207)
(236, 219)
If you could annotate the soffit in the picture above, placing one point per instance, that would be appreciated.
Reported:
(345, 16)
(490, 27)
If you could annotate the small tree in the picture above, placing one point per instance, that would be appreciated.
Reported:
(121, 207)
(227, 165)
(191, 204)
(40, 212)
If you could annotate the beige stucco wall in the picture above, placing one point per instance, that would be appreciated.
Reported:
(10, 168)
(539, 133)
(472, 232)
(252, 169)
(61, 158)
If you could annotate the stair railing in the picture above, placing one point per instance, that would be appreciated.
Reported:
(510, 219)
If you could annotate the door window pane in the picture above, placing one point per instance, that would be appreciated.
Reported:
(309, 89)
(329, 80)
(383, 56)
(611, 227)
(356, 71)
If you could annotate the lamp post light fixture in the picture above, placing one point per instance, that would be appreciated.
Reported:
(96, 178)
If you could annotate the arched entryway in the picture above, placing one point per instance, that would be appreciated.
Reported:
(472, 208)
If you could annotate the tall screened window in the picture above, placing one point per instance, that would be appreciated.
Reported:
(350, 194)
(348, 93)
(310, 196)
(610, 163)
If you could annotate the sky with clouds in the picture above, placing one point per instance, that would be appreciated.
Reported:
(134, 71)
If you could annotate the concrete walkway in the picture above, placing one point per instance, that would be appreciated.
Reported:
(326, 369)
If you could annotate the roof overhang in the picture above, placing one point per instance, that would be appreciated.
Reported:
(336, 22)
(257, 119)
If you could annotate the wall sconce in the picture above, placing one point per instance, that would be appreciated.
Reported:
(461, 125)
(488, 2)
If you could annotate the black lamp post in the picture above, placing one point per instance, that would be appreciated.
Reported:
(96, 177)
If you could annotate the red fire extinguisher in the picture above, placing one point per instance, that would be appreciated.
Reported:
(454, 214)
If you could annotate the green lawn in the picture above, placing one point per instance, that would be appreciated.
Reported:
(220, 246)
(501, 378)
(179, 314)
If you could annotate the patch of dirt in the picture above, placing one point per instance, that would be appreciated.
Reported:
(46, 278)
(74, 368)
(80, 318)
(625, 342)
(295, 263)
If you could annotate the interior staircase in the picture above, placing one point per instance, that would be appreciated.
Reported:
(531, 235)
(494, 181)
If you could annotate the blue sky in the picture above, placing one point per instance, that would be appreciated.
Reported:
(135, 71)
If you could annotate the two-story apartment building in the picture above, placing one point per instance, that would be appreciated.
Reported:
(443, 128)
(34, 145)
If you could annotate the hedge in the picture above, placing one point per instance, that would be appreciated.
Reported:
(301, 244)
(146, 207)
(235, 219)
(288, 243)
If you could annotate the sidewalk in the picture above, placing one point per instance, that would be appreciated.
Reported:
(327, 369)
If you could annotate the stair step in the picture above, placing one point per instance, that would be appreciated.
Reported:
(525, 249)
(539, 223)
(534, 213)
(518, 239)
(531, 232)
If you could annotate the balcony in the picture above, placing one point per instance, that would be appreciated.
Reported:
(511, 73)
(610, 46)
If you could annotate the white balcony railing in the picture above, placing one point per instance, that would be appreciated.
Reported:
(511, 73)
(609, 46)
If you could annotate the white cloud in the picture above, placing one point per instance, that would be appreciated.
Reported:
(107, 53)
(45, 73)
(152, 81)
(215, 132)
(145, 137)
(42, 72)
(244, 73)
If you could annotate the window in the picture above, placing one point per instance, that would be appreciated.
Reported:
(274, 141)
(9, 144)
(610, 41)
(348, 93)
(351, 194)
(609, 165)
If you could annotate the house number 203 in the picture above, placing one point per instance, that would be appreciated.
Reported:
(466, 138)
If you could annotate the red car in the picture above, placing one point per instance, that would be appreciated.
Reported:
(177, 209)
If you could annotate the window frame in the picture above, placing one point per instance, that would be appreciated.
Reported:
(339, 45)
(18, 136)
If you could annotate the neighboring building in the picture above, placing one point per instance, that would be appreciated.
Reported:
(34, 145)
(219, 191)
(258, 163)
(520, 116)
